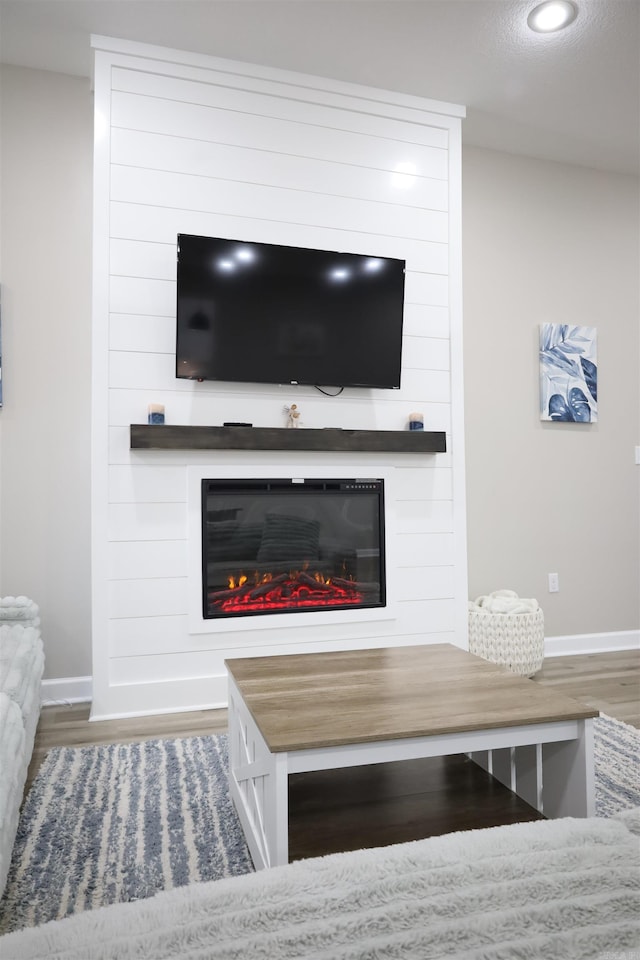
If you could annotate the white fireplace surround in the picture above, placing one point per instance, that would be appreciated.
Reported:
(286, 621)
(186, 143)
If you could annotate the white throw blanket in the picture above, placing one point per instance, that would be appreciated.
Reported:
(19, 610)
(549, 890)
(503, 601)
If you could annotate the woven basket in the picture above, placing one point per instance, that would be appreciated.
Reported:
(513, 640)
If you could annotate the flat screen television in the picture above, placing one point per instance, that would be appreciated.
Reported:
(266, 313)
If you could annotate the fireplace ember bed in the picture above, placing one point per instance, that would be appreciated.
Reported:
(291, 546)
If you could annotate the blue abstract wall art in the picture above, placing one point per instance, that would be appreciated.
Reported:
(568, 373)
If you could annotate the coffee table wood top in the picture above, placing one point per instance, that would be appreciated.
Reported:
(312, 700)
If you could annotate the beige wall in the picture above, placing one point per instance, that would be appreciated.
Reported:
(547, 242)
(46, 318)
(541, 242)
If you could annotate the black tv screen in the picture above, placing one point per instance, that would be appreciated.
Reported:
(266, 313)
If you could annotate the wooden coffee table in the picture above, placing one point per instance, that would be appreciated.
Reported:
(291, 714)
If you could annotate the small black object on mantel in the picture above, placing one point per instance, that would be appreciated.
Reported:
(232, 423)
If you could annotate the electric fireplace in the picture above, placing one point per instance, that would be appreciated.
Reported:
(291, 546)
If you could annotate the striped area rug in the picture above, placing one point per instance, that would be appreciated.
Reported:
(116, 823)
(617, 764)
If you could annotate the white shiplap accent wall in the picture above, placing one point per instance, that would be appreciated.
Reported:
(191, 144)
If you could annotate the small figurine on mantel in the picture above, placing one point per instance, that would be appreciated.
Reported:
(293, 415)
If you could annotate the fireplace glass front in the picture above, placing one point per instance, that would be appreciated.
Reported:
(291, 546)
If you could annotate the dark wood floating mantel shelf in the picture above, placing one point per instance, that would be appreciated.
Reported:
(176, 437)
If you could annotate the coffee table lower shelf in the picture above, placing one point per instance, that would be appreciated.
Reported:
(548, 765)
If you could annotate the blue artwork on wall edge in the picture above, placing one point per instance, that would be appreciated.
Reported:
(568, 373)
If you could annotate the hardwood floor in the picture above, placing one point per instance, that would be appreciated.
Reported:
(378, 804)
(608, 681)
(69, 726)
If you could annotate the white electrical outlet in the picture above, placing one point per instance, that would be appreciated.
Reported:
(554, 583)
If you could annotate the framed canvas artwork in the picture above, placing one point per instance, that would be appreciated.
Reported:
(568, 373)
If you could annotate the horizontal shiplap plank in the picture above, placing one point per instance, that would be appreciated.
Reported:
(153, 636)
(205, 408)
(168, 596)
(423, 482)
(426, 288)
(201, 158)
(280, 643)
(134, 295)
(151, 483)
(159, 668)
(147, 521)
(145, 559)
(156, 372)
(157, 261)
(185, 192)
(422, 353)
(162, 484)
(424, 320)
(434, 617)
(155, 667)
(144, 297)
(426, 583)
(351, 97)
(157, 334)
(424, 516)
(147, 598)
(425, 549)
(152, 224)
(142, 333)
(295, 138)
(119, 446)
(281, 101)
(151, 260)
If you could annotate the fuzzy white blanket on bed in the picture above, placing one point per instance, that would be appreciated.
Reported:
(537, 891)
(21, 670)
(14, 761)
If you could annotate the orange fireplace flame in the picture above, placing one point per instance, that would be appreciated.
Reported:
(240, 582)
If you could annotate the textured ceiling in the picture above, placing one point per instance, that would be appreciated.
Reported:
(572, 96)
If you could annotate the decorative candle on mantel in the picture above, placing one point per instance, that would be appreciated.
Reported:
(416, 421)
(156, 413)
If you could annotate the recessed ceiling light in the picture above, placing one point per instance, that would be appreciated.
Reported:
(552, 15)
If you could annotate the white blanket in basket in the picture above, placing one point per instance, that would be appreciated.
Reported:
(503, 601)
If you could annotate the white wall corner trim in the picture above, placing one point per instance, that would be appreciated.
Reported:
(591, 643)
(66, 690)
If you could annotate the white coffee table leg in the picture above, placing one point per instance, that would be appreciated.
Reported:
(276, 811)
(259, 787)
(568, 781)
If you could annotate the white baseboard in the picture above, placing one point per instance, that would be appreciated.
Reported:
(65, 690)
(157, 712)
(591, 643)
